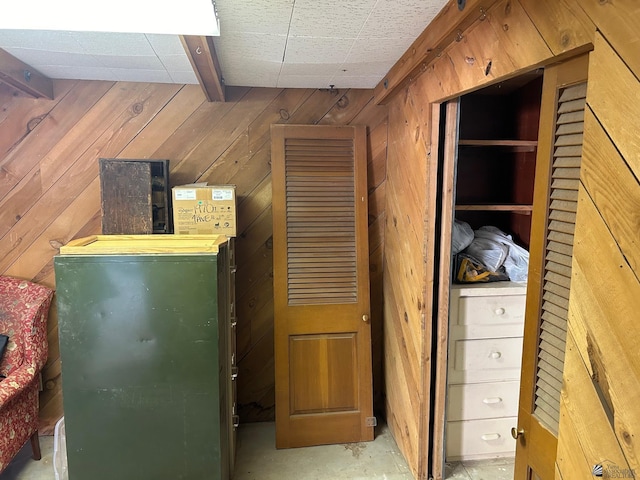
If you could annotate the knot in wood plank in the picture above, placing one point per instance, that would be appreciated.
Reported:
(137, 108)
(34, 122)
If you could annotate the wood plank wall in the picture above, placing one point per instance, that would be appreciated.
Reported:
(514, 37)
(50, 193)
(599, 415)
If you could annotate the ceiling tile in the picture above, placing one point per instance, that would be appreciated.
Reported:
(138, 62)
(304, 81)
(251, 45)
(165, 44)
(361, 81)
(400, 18)
(141, 75)
(183, 76)
(309, 69)
(237, 71)
(369, 69)
(311, 50)
(254, 16)
(79, 73)
(100, 43)
(257, 78)
(40, 39)
(329, 18)
(175, 62)
(383, 50)
(35, 58)
(315, 43)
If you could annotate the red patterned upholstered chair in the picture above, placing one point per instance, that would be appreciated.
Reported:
(24, 308)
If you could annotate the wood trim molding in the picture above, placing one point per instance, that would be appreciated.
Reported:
(203, 58)
(442, 31)
(24, 78)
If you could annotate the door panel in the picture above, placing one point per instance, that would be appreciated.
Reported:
(321, 285)
(323, 373)
(555, 197)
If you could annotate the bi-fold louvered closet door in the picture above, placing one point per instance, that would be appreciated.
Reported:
(321, 285)
(553, 224)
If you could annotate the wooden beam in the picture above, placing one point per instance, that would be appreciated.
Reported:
(203, 58)
(445, 28)
(21, 76)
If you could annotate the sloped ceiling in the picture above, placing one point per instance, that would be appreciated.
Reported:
(263, 43)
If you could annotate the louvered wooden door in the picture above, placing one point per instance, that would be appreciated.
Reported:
(553, 223)
(321, 285)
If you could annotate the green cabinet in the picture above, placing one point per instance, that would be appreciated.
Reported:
(146, 347)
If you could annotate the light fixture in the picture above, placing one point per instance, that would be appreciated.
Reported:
(177, 17)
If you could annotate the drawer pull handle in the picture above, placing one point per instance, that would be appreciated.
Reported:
(500, 311)
(490, 436)
(492, 400)
(495, 355)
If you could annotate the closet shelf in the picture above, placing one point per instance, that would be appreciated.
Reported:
(521, 209)
(516, 145)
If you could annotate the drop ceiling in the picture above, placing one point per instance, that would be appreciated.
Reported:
(263, 43)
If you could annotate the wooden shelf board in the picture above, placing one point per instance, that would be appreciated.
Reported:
(517, 145)
(505, 143)
(523, 209)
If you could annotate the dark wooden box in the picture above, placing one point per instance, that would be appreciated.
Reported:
(135, 196)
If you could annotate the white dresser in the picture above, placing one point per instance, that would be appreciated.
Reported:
(485, 353)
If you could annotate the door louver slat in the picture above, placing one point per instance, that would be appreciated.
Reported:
(320, 207)
(559, 248)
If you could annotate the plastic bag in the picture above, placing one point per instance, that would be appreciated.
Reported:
(516, 263)
(461, 236)
(489, 252)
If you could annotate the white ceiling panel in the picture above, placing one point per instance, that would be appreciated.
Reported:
(242, 45)
(175, 62)
(308, 69)
(126, 44)
(79, 73)
(369, 69)
(314, 50)
(239, 71)
(165, 44)
(347, 81)
(253, 16)
(364, 50)
(400, 18)
(41, 58)
(139, 62)
(180, 76)
(45, 40)
(304, 81)
(141, 75)
(329, 18)
(263, 43)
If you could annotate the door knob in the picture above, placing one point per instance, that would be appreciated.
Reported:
(515, 433)
(365, 318)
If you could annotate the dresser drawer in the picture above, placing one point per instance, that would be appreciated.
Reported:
(491, 310)
(485, 359)
(475, 439)
(482, 400)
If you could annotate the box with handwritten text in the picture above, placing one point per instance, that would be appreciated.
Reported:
(200, 209)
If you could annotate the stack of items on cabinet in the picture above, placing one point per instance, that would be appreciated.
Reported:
(147, 329)
(486, 255)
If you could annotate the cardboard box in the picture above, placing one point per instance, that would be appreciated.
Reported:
(201, 209)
